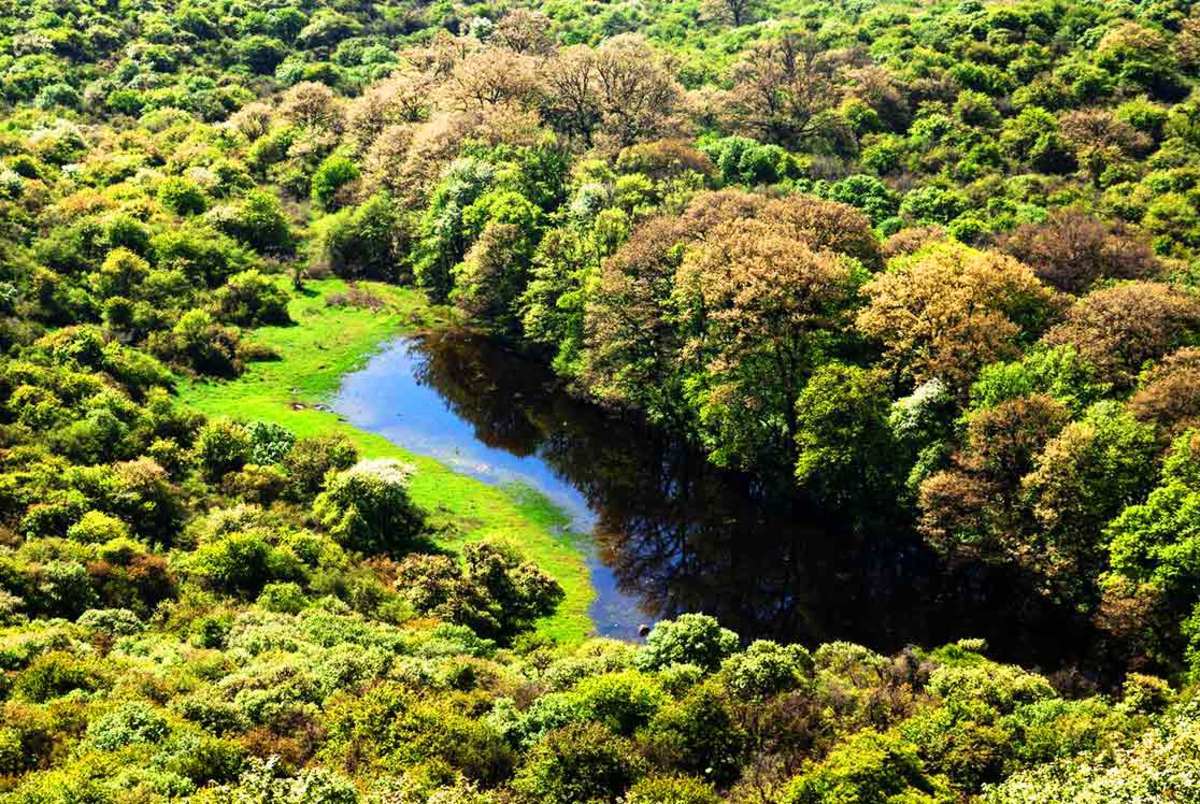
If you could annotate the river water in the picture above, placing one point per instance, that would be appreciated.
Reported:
(669, 533)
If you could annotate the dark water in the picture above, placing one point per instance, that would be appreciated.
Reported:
(673, 534)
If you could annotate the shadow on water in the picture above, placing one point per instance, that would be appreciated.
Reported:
(675, 534)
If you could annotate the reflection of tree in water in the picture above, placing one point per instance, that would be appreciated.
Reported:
(683, 536)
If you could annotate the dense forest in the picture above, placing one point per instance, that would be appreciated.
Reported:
(933, 266)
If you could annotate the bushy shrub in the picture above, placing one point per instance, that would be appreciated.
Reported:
(111, 622)
(252, 299)
(55, 674)
(766, 668)
(689, 639)
(258, 220)
(182, 196)
(698, 735)
(200, 343)
(269, 442)
(868, 767)
(331, 176)
(282, 598)
(311, 459)
(582, 762)
(368, 508)
(95, 527)
(243, 563)
(495, 593)
(222, 446)
(369, 241)
(672, 790)
(130, 723)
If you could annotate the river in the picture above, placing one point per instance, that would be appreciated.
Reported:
(670, 533)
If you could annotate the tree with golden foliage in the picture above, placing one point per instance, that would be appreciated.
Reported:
(640, 320)
(1170, 392)
(949, 309)
(826, 225)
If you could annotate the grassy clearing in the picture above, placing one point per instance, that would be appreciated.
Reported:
(328, 342)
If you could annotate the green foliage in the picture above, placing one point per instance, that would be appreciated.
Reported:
(127, 725)
(844, 441)
(689, 639)
(181, 196)
(258, 220)
(494, 593)
(97, 527)
(367, 508)
(251, 299)
(868, 768)
(222, 446)
(331, 176)
(242, 563)
(672, 790)
(310, 459)
(368, 241)
(765, 669)
(681, 208)
(584, 762)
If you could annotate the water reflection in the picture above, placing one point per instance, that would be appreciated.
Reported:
(678, 535)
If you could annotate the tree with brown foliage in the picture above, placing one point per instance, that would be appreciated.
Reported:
(615, 95)
(663, 159)
(731, 12)
(1170, 392)
(524, 31)
(782, 87)
(751, 295)
(1072, 250)
(826, 226)
(1117, 329)
(1084, 477)
(403, 98)
(494, 76)
(313, 105)
(911, 239)
(973, 509)
(633, 353)
(630, 355)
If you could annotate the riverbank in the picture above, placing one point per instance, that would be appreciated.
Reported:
(325, 343)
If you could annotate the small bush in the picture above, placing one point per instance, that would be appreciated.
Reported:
(367, 507)
(95, 527)
(182, 196)
(690, 639)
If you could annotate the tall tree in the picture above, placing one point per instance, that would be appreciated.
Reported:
(751, 298)
(948, 310)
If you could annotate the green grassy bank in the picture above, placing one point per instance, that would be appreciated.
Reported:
(325, 343)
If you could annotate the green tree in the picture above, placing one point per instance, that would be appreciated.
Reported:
(845, 446)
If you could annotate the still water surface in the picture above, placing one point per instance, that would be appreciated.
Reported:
(670, 533)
